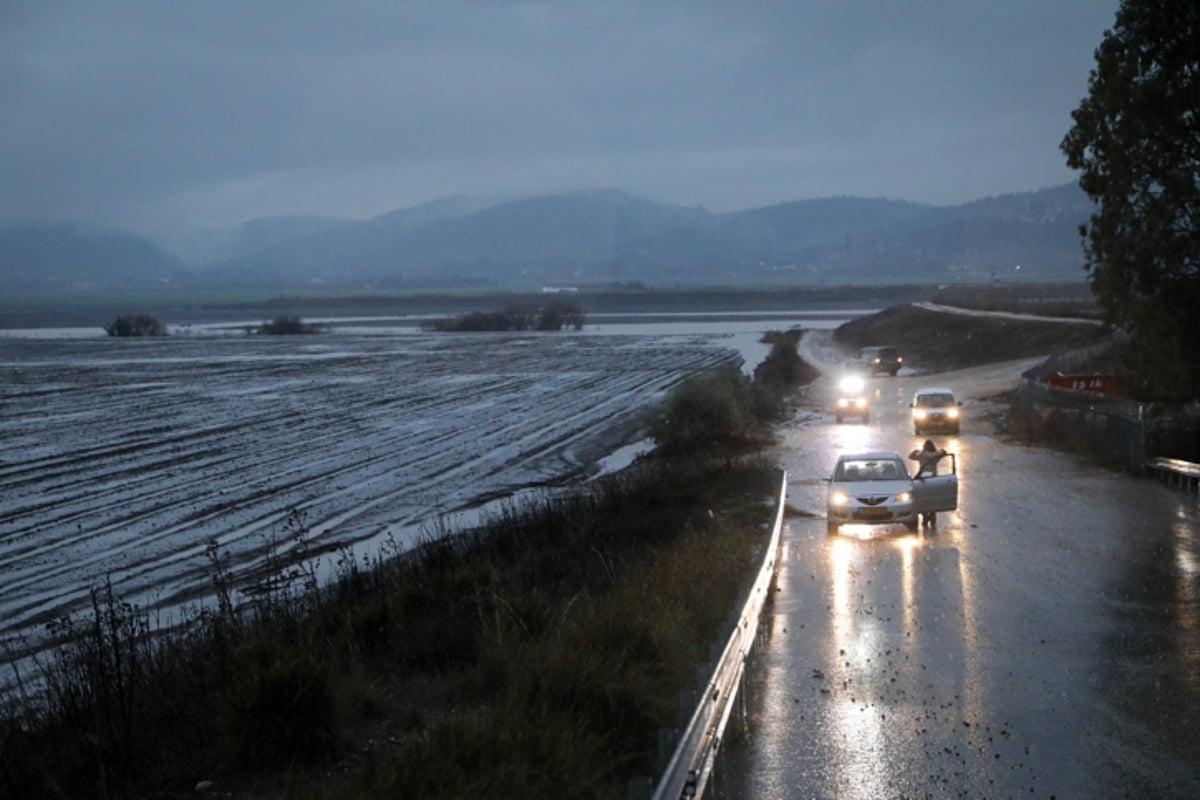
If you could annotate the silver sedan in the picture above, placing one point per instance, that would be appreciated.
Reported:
(875, 489)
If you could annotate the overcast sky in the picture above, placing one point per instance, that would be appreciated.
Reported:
(159, 113)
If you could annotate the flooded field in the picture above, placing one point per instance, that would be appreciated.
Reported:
(126, 460)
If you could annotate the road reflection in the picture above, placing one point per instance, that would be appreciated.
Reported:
(899, 606)
(1187, 571)
(1155, 606)
(908, 546)
(852, 438)
(1186, 550)
(858, 736)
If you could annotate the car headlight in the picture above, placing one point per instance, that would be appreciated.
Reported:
(861, 402)
(919, 413)
(952, 413)
(904, 497)
(838, 498)
(843, 402)
(851, 384)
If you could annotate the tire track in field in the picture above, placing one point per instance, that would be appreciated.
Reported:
(365, 437)
(144, 498)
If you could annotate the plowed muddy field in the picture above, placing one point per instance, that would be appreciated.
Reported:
(132, 461)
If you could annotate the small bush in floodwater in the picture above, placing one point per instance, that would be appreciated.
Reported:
(135, 325)
(716, 411)
(287, 326)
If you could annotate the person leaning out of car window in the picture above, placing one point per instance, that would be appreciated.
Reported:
(927, 457)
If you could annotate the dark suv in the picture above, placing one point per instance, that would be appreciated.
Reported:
(880, 359)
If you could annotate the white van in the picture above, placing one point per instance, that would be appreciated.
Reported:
(935, 410)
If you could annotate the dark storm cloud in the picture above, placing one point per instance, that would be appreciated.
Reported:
(145, 113)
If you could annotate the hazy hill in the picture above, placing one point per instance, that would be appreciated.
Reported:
(267, 234)
(285, 252)
(760, 243)
(575, 230)
(68, 257)
(606, 236)
(1036, 233)
(592, 237)
(407, 220)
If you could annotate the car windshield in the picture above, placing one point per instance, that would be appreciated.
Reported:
(934, 400)
(873, 469)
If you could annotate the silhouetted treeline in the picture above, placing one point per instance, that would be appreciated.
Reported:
(136, 325)
(517, 317)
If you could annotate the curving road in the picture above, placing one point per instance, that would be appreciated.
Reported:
(1042, 642)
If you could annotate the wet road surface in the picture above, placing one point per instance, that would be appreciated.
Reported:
(1043, 641)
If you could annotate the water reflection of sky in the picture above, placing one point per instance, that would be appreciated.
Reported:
(741, 331)
(743, 334)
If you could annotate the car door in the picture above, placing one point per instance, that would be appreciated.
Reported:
(938, 492)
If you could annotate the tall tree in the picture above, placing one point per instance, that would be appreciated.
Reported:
(1136, 141)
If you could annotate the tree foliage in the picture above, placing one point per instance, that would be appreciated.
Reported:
(136, 325)
(552, 316)
(783, 368)
(1136, 142)
(286, 325)
(715, 412)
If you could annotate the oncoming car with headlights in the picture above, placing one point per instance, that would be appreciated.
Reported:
(875, 489)
(852, 399)
(935, 410)
(880, 360)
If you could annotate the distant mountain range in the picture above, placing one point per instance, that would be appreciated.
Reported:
(593, 238)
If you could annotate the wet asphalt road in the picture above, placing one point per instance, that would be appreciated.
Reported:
(1042, 642)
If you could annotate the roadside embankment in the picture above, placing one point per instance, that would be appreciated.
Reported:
(936, 340)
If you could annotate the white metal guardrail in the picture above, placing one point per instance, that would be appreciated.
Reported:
(1175, 471)
(691, 764)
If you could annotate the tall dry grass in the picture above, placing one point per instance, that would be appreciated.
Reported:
(544, 650)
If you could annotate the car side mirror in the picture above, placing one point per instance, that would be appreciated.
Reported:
(960, 402)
